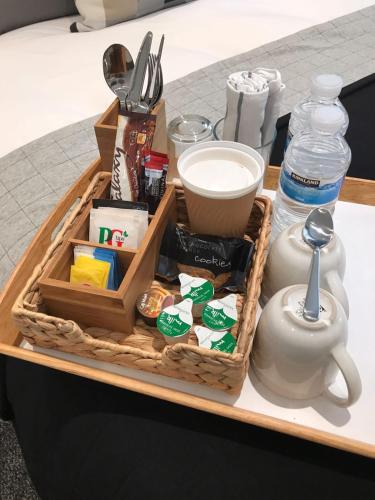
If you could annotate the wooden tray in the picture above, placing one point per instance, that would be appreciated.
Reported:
(354, 190)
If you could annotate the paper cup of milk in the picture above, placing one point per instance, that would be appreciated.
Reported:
(220, 181)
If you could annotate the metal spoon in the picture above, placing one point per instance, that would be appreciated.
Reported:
(317, 233)
(118, 67)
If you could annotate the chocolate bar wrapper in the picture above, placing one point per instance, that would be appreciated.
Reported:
(135, 133)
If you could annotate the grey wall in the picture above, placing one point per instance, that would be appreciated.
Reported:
(17, 13)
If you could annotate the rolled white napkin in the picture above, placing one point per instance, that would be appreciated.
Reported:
(253, 106)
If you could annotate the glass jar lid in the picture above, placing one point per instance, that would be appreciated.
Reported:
(190, 129)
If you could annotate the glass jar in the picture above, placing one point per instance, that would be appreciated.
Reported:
(186, 130)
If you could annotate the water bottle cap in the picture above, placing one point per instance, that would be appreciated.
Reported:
(327, 119)
(326, 86)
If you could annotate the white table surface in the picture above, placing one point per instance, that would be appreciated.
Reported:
(355, 225)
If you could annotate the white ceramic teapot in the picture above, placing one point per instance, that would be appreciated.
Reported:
(288, 263)
(300, 359)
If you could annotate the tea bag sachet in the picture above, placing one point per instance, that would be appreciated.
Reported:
(137, 210)
(140, 218)
(118, 230)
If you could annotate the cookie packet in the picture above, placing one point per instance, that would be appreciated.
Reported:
(229, 258)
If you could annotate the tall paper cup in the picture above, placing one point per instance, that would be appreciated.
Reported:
(220, 181)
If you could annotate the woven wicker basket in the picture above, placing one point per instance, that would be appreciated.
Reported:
(144, 348)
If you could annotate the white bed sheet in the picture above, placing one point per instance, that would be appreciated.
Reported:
(51, 78)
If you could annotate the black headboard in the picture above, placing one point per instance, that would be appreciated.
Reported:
(17, 13)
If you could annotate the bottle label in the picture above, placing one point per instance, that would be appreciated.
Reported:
(308, 190)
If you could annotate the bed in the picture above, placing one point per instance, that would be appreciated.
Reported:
(52, 78)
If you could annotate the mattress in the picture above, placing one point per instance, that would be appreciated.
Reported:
(51, 78)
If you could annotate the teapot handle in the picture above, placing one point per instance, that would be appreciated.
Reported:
(350, 373)
(337, 289)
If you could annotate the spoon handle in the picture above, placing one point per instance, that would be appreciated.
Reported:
(312, 306)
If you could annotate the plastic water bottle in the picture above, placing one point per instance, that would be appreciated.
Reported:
(324, 90)
(313, 169)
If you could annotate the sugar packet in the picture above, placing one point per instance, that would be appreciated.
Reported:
(89, 272)
(102, 254)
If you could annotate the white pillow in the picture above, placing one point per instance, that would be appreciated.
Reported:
(97, 14)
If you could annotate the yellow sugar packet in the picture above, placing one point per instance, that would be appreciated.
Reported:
(90, 272)
(91, 278)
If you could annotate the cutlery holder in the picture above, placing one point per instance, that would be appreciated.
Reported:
(101, 324)
(106, 126)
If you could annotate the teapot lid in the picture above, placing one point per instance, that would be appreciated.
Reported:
(293, 302)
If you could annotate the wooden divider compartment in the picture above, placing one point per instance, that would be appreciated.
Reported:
(61, 269)
(97, 307)
(85, 305)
